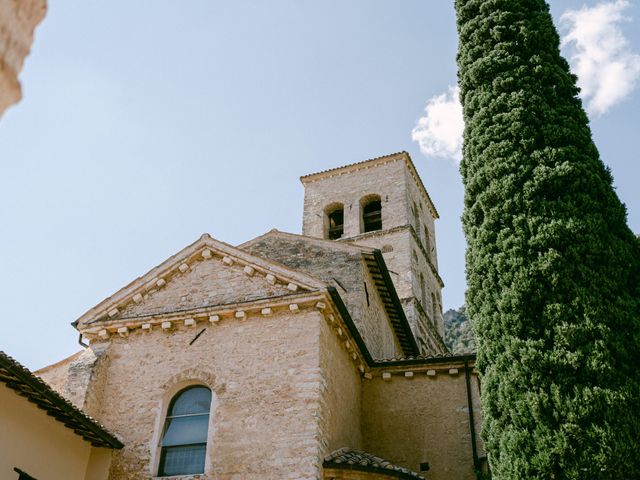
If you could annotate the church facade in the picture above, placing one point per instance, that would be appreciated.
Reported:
(313, 356)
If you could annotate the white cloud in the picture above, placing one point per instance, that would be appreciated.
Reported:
(600, 55)
(439, 132)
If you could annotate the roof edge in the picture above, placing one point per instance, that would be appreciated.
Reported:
(351, 326)
(124, 294)
(377, 254)
(358, 460)
(68, 414)
(403, 362)
(368, 469)
(352, 167)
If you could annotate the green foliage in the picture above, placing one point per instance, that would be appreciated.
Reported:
(458, 333)
(552, 268)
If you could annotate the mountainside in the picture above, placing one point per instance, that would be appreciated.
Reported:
(458, 334)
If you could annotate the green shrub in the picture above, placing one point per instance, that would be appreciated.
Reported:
(552, 268)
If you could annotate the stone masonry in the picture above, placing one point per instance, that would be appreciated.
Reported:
(407, 238)
(302, 342)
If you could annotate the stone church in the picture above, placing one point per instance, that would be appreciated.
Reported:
(313, 356)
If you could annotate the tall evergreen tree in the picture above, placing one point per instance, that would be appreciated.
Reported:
(552, 268)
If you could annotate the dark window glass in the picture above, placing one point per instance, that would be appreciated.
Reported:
(184, 440)
(336, 224)
(372, 216)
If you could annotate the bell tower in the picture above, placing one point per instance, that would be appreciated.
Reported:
(382, 203)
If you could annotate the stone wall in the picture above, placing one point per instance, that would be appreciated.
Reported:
(342, 267)
(348, 188)
(18, 20)
(56, 375)
(407, 238)
(340, 398)
(406, 262)
(79, 378)
(265, 376)
(422, 418)
(203, 284)
(425, 226)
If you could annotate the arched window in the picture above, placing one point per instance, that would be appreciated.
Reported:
(184, 438)
(335, 222)
(372, 214)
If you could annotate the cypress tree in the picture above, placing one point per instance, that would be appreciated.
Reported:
(552, 267)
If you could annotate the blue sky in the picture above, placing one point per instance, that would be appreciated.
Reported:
(145, 124)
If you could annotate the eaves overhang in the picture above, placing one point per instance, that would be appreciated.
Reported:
(36, 391)
(406, 361)
(426, 360)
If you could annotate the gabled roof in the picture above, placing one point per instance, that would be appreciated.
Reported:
(27, 385)
(331, 262)
(204, 247)
(347, 459)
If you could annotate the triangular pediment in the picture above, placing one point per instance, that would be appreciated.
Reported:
(206, 274)
(204, 284)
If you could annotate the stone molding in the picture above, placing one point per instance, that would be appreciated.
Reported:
(212, 316)
(204, 249)
(200, 316)
(191, 375)
(431, 367)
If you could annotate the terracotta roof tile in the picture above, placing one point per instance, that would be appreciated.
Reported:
(345, 457)
(27, 385)
(437, 357)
